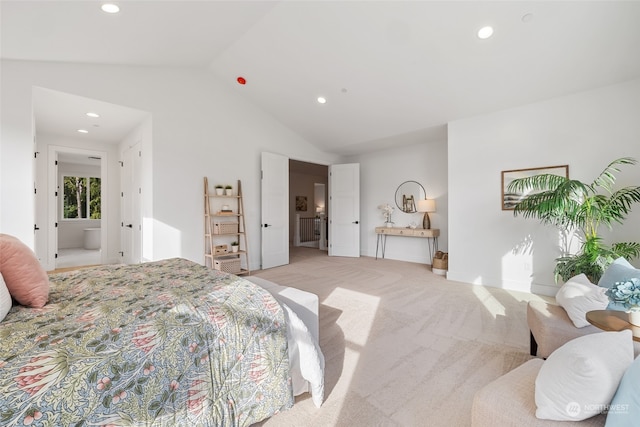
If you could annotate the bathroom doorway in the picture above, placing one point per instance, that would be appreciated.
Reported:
(79, 209)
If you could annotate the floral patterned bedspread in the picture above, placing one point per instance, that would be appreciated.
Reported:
(168, 343)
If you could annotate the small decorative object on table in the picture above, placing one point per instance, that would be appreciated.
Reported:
(387, 210)
(627, 294)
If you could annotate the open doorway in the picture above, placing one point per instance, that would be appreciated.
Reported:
(79, 212)
(279, 201)
(308, 226)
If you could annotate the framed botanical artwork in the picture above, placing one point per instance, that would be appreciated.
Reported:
(301, 203)
(509, 199)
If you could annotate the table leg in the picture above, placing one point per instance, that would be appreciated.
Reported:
(432, 242)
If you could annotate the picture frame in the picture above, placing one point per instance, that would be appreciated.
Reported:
(301, 203)
(510, 200)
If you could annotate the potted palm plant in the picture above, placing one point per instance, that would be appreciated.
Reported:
(572, 205)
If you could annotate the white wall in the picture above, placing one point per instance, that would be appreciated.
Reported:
(200, 125)
(586, 131)
(381, 172)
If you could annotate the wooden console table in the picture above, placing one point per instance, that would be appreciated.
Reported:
(431, 234)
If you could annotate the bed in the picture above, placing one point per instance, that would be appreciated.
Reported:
(167, 343)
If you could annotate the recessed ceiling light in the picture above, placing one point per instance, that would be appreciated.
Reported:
(322, 100)
(94, 115)
(83, 131)
(110, 8)
(485, 32)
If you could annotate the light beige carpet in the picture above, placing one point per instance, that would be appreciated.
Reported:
(403, 346)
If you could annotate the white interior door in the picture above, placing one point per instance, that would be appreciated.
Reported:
(344, 210)
(131, 220)
(275, 210)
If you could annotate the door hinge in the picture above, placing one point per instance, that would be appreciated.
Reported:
(56, 225)
(56, 256)
(56, 163)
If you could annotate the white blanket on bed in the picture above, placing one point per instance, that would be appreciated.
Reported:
(305, 358)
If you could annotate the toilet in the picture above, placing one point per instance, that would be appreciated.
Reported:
(92, 238)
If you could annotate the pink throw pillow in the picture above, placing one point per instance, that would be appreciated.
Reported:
(25, 278)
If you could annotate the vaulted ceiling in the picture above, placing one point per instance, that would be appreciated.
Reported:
(392, 72)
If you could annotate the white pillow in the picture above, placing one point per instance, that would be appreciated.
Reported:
(578, 296)
(5, 299)
(579, 379)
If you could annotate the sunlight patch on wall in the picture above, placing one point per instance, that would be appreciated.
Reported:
(517, 269)
(147, 239)
(160, 241)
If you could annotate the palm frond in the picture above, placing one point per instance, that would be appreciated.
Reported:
(607, 177)
(540, 182)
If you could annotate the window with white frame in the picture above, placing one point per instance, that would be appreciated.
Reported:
(81, 197)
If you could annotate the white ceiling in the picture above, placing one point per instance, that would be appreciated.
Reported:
(393, 72)
(64, 114)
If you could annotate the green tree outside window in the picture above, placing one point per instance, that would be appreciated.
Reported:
(82, 197)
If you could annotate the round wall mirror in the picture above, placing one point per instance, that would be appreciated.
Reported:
(408, 194)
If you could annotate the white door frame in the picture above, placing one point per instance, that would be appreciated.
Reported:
(54, 192)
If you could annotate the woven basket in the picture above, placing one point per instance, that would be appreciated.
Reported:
(441, 261)
(228, 265)
(225, 227)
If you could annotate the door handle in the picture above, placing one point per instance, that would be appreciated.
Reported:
(356, 222)
(267, 225)
(129, 225)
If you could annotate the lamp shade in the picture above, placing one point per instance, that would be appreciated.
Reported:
(426, 205)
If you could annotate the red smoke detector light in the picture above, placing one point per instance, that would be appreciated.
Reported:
(241, 80)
